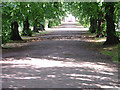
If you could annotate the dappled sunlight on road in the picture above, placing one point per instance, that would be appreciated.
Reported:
(60, 60)
(39, 62)
(58, 72)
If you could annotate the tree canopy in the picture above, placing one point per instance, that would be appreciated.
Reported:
(34, 12)
(96, 15)
(101, 17)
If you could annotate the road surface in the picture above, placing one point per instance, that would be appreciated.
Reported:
(58, 63)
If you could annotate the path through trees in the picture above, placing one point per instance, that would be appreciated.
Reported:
(64, 62)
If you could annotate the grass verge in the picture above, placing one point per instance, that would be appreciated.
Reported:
(96, 44)
(112, 51)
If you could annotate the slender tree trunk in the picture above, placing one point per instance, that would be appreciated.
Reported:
(26, 27)
(27, 24)
(111, 37)
(15, 32)
(49, 24)
(100, 28)
(35, 26)
(93, 25)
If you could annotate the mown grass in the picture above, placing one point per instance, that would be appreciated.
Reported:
(112, 51)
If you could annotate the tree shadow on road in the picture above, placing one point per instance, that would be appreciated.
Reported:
(58, 63)
(47, 73)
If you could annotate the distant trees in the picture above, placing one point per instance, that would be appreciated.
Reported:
(102, 18)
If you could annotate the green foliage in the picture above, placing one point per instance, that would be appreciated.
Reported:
(118, 33)
(52, 11)
(5, 37)
(87, 11)
(54, 23)
(83, 10)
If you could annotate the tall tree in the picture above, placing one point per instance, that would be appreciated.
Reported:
(111, 35)
(10, 13)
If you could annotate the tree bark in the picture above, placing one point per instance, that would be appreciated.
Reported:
(26, 27)
(93, 25)
(100, 27)
(15, 32)
(35, 26)
(49, 24)
(111, 36)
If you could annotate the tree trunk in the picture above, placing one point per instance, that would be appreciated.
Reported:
(35, 26)
(49, 24)
(15, 33)
(26, 30)
(111, 37)
(100, 28)
(93, 25)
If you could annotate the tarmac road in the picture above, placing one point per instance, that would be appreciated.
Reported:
(63, 62)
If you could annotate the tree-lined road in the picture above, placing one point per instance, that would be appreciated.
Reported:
(63, 62)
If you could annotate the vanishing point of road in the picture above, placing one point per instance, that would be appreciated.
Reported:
(63, 62)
